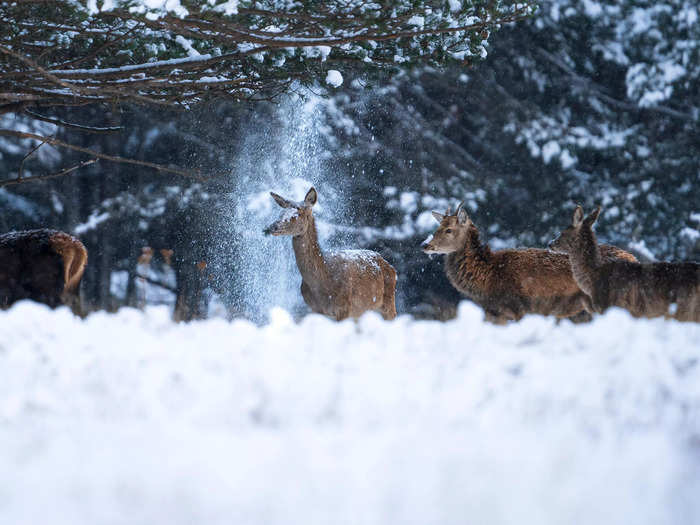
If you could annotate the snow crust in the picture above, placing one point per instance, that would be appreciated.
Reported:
(363, 258)
(130, 418)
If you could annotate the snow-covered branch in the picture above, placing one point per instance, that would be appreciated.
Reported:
(184, 52)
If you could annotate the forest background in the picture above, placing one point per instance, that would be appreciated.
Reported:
(594, 102)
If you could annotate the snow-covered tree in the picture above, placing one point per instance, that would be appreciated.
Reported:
(73, 53)
(58, 54)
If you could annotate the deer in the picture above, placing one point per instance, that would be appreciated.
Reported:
(42, 265)
(655, 289)
(510, 283)
(338, 284)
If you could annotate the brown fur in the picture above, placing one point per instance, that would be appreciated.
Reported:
(508, 284)
(338, 284)
(42, 265)
(670, 289)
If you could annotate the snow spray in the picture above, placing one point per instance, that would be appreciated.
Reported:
(285, 155)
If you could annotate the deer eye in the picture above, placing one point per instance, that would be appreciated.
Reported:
(448, 230)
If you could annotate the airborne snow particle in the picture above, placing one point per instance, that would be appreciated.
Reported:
(334, 78)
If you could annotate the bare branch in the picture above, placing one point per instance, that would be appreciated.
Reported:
(193, 174)
(20, 180)
(156, 283)
(21, 164)
(79, 127)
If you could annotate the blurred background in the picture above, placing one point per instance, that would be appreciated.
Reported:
(588, 102)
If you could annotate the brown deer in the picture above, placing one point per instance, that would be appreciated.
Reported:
(42, 265)
(338, 284)
(670, 289)
(508, 284)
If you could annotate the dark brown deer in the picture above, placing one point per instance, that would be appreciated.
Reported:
(42, 265)
(669, 289)
(508, 284)
(338, 284)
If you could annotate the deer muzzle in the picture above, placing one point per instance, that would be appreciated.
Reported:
(427, 247)
(273, 229)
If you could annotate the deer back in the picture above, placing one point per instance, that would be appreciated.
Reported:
(42, 265)
(670, 289)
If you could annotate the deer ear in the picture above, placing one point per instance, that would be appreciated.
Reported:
(310, 198)
(462, 216)
(590, 220)
(578, 216)
(281, 200)
(438, 216)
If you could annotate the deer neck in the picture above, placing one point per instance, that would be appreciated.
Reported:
(473, 258)
(585, 259)
(309, 256)
(472, 247)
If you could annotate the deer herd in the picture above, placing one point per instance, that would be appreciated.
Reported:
(575, 278)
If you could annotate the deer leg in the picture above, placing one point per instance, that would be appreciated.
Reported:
(495, 318)
(388, 310)
(511, 314)
(584, 316)
(341, 314)
(306, 293)
(587, 303)
(597, 304)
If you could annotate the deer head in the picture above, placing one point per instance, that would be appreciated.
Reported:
(451, 234)
(295, 217)
(569, 238)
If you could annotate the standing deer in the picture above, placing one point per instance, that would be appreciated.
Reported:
(338, 284)
(508, 284)
(42, 265)
(670, 289)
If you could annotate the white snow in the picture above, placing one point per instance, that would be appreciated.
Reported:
(334, 78)
(228, 8)
(455, 5)
(549, 150)
(363, 258)
(187, 46)
(690, 233)
(417, 20)
(567, 159)
(93, 221)
(324, 51)
(592, 9)
(408, 201)
(131, 67)
(129, 418)
(425, 221)
(641, 247)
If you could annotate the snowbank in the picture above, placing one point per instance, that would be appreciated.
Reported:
(129, 418)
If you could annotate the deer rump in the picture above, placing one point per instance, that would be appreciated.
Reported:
(362, 280)
(517, 282)
(649, 289)
(41, 265)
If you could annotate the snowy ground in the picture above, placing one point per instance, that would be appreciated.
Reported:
(130, 418)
